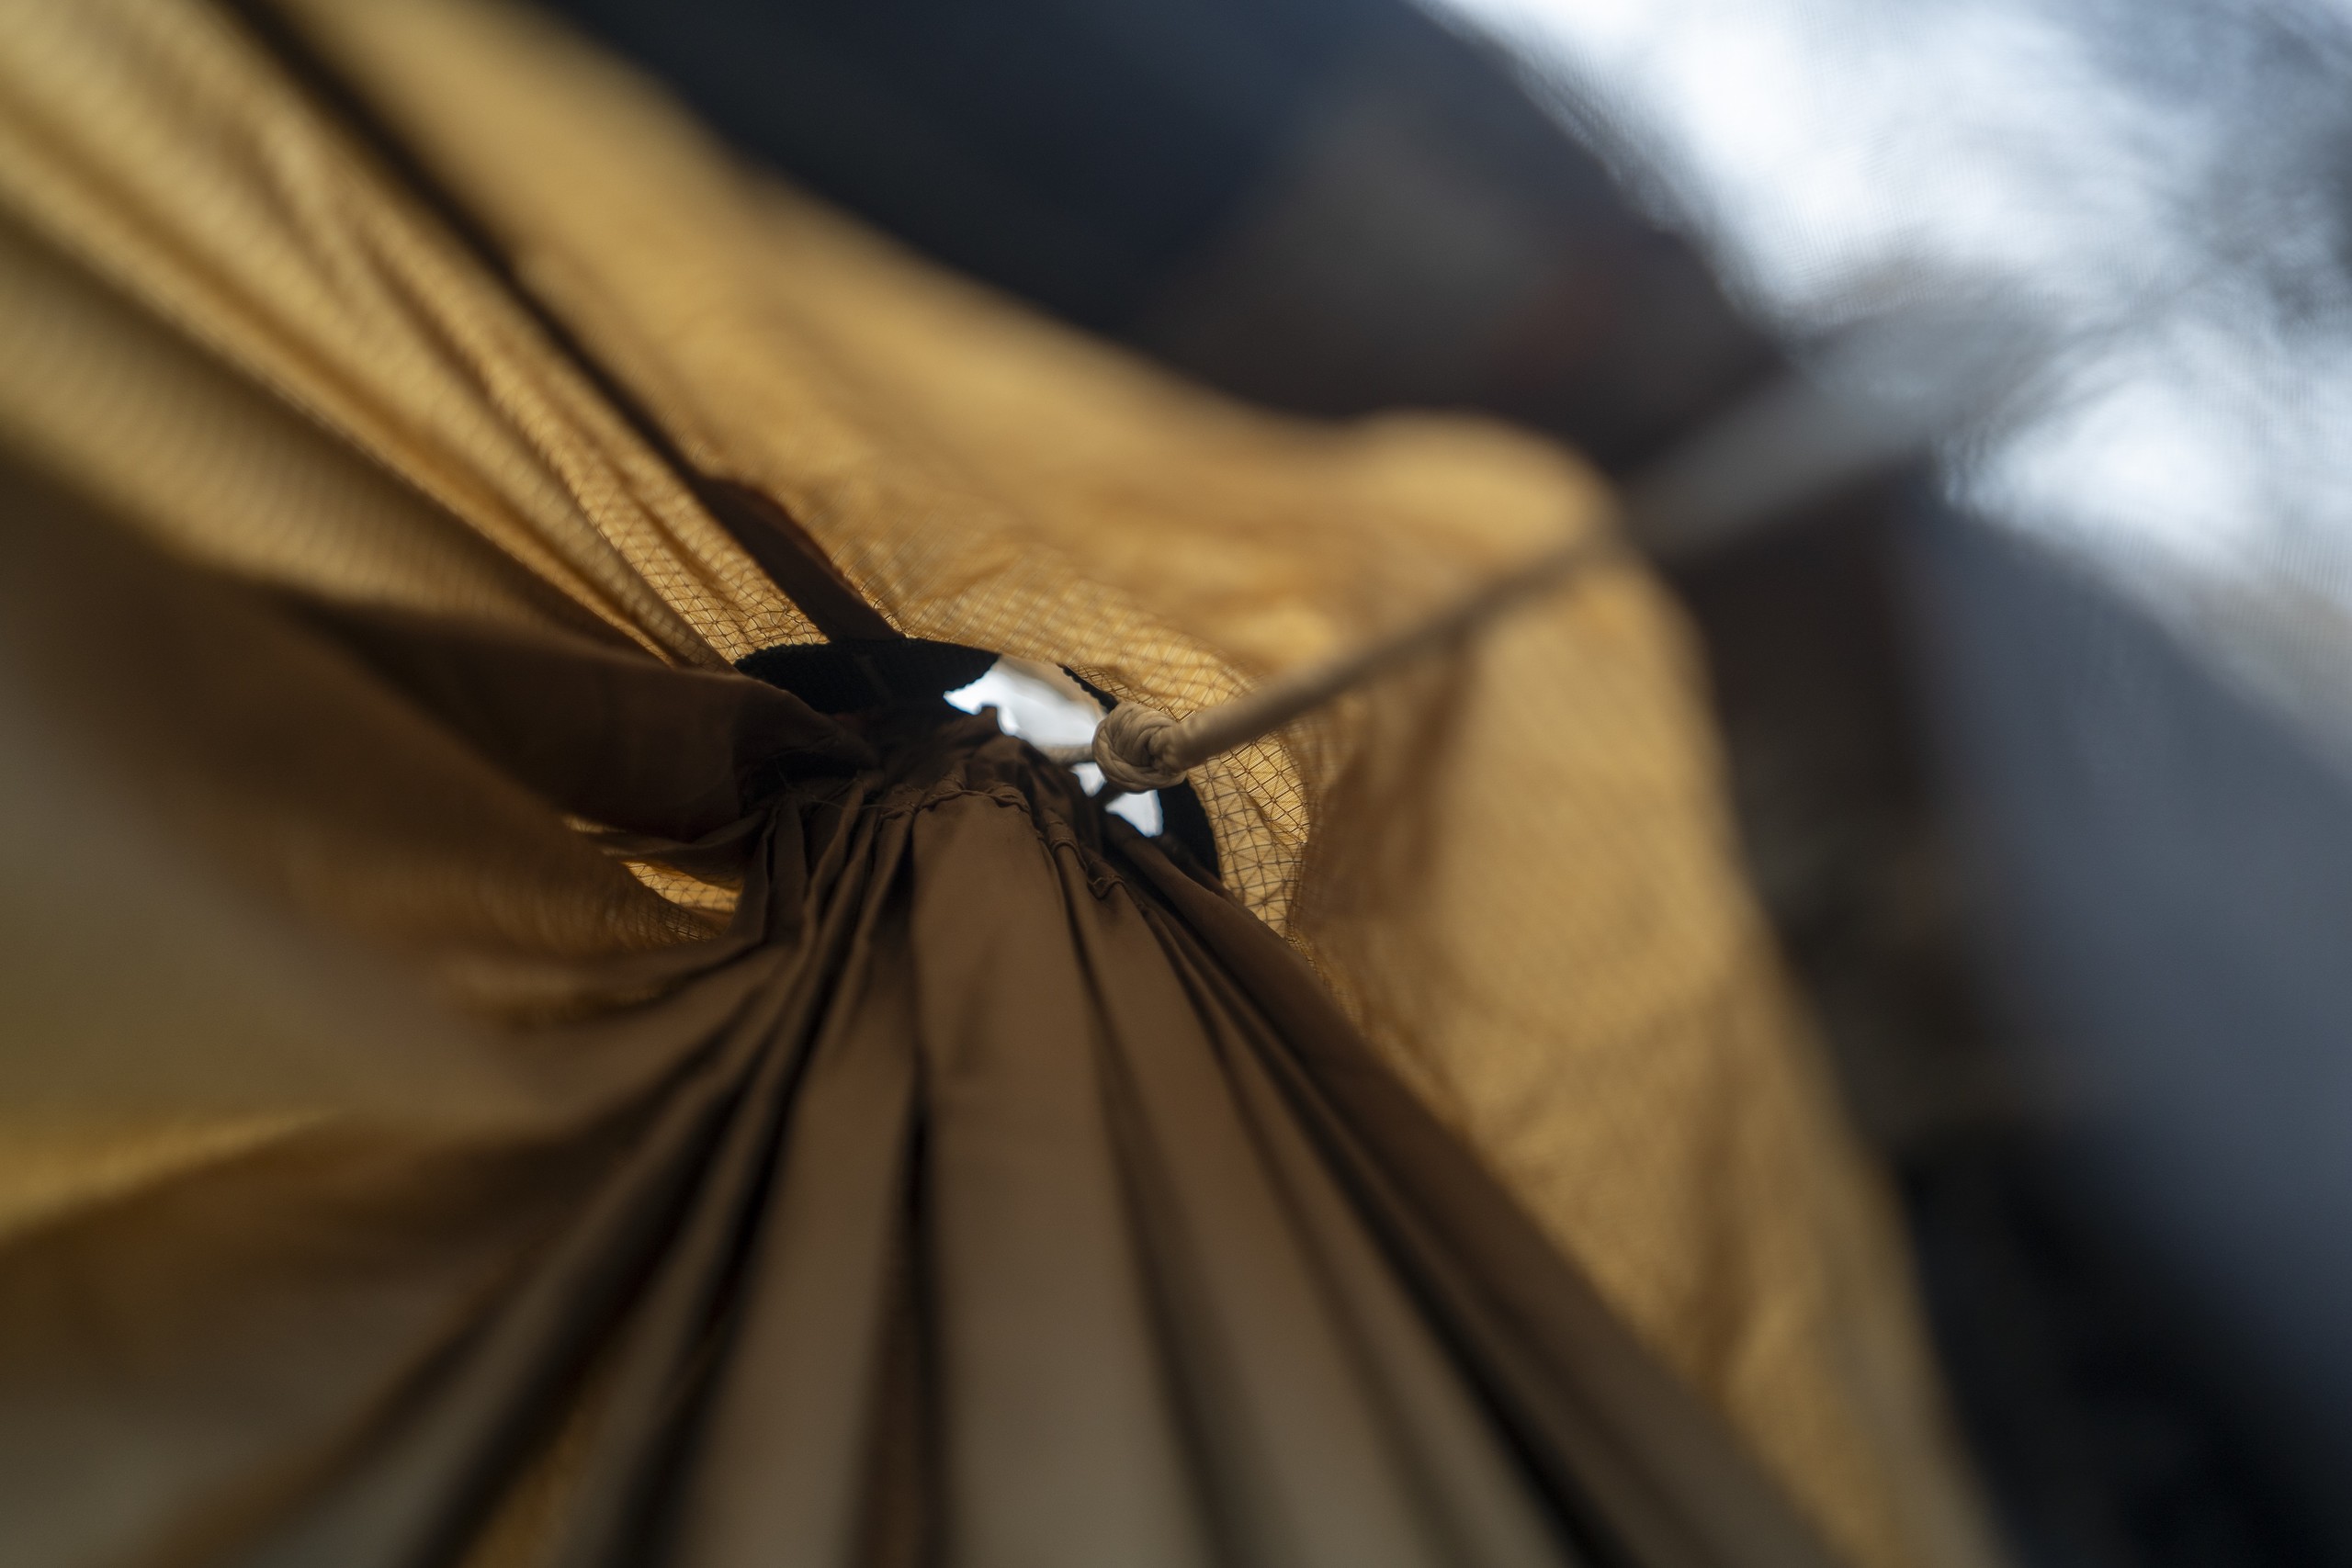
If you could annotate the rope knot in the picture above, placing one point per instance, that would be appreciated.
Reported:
(1133, 746)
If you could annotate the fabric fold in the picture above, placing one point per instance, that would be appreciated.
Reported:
(990, 1192)
(412, 1021)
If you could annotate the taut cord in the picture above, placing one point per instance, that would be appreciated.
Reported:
(1881, 394)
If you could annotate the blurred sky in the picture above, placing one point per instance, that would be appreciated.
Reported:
(2170, 182)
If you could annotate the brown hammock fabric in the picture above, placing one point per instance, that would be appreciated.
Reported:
(989, 1190)
(482, 1080)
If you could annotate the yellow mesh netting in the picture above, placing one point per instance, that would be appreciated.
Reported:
(1514, 869)
(158, 146)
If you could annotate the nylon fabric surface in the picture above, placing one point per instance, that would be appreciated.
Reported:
(856, 1231)
(155, 142)
(1511, 868)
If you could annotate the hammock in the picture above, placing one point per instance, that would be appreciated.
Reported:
(491, 1081)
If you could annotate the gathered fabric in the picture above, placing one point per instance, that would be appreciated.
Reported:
(443, 985)
(986, 1188)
